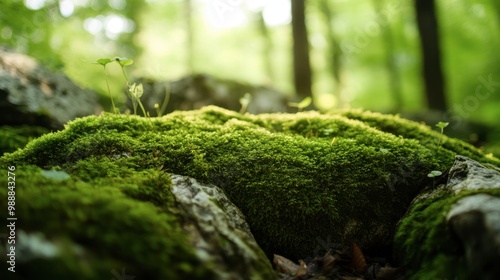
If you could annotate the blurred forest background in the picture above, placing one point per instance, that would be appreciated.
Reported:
(407, 57)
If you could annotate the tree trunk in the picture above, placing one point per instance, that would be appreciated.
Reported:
(267, 47)
(429, 38)
(334, 51)
(301, 64)
(392, 69)
(188, 9)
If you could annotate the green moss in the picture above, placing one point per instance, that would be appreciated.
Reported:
(296, 177)
(115, 220)
(424, 242)
(14, 138)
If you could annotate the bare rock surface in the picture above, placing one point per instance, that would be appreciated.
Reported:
(196, 91)
(218, 231)
(476, 218)
(471, 175)
(30, 94)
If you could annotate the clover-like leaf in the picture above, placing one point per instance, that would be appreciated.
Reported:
(302, 104)
(434, 173)
(103, 61)
(442, 125)
(124, 61)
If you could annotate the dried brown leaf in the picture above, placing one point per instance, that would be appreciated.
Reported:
(302, 271)
(358, 259)
(284, 265)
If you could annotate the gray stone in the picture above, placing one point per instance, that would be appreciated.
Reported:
(196, 91)
(471, 175)
(30, 94)
(475, 219)
(218, 231)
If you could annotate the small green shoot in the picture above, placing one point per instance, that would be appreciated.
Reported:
(123, 61)
(104, 62)
(442, 125)
(135, 92)
(304, 103)
(244, 101)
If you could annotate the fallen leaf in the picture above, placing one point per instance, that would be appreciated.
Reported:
(284, 265)
(358, 259)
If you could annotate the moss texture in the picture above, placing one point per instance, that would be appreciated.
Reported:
(108, 223)
(349, 176)
(16, 137)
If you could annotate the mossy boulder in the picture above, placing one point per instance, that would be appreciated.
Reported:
(452, 231)
(347, 176)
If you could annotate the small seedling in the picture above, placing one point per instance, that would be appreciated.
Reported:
(244, 101)
(135, 92)
(302, 104)
(442, 125)
(104, 62)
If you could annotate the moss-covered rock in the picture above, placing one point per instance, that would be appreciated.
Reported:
(433, 241)
(346, 176)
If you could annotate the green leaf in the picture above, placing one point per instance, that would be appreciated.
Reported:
(124, 61)
(305, 102)
(434, 173)
(103, 61)
(55, 175)
(442, 124)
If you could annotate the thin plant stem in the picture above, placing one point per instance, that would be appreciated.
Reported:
(142, 107)
(109, 91)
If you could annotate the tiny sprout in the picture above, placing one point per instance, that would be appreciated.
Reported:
(434, 173)
(244, 101)
(442, 125)
(135, 92)
(302, 104)
(104, 62)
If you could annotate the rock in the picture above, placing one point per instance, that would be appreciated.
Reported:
(475, 219)
(454, 230)
(30, 94)
(194, 92)
(299, 179)
(218, 231)
(467, 174)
